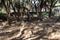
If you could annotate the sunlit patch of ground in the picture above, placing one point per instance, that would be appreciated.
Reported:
(30, 31)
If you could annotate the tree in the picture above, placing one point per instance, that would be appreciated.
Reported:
(51, 4)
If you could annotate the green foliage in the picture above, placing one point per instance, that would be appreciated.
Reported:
(45, 13)
(3, 16)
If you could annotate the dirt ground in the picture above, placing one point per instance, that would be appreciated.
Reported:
(30, 31)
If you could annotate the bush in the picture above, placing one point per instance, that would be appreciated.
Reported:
(3, 16)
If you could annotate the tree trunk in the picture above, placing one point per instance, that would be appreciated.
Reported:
(8, 12)
(40, 14)
(50, 13)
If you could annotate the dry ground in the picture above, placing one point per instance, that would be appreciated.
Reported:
(30, 31)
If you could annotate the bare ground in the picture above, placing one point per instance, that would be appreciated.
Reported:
(30, 31)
